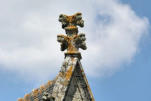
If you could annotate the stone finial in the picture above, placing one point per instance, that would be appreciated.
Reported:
(70, 23)
(72, 41)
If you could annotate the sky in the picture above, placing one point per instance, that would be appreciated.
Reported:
(117, 61)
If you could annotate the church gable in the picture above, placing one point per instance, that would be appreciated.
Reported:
(78, 87)
(71, 83)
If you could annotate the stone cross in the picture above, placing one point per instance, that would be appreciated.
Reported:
(72, 41)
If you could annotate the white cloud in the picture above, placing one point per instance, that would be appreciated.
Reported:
(28, 31)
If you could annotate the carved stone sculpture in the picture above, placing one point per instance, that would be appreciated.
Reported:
(72, 41)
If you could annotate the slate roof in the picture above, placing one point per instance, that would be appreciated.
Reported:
(59, 87)
(37, 94)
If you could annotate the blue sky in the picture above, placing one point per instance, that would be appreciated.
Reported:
(132, 83)
(115, 77)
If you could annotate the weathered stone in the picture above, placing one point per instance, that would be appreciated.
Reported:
(71, 83)
(72, 41)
